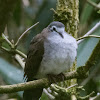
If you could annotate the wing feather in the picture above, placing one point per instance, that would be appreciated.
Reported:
(35, 55)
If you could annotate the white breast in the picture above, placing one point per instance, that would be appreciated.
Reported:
(59, 54)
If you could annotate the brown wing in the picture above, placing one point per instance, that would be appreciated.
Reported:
(35, 55)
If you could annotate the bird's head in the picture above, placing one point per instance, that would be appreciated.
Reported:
(58, 27)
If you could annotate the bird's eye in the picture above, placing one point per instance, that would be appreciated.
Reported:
(54, 28)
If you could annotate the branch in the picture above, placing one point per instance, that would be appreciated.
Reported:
(86, 97)
(13, 49)
(93, 58)
(48, 93)
(90, 31)
(92, 74)
(6, 39)
(93, 4)
(25, 33)
(20, 53)
(5, 49)
(37, 83)
(13, 46)
(93, 61)
(94, 36)
(20, 61)
(97, 97)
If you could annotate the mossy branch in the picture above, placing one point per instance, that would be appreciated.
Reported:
(97, 6)
(37, 83)
(13, 46)
(94, 57)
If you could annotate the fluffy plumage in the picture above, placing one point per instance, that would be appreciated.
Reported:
(53, 51)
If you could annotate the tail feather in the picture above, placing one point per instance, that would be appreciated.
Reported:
(33, 94)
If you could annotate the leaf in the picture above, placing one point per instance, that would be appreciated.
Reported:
(98, 11)
(86, 13)
(10, 74)
(85, 49)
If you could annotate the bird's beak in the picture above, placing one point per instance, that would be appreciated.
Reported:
(60, 34)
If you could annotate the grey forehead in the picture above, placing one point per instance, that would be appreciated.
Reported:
(57, 24)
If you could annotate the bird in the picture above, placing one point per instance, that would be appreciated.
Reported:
(51, 52)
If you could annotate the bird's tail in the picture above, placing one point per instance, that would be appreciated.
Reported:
(33, 94)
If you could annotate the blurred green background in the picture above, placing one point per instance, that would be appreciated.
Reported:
(27, 13)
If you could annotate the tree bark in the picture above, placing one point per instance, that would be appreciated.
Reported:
(67, 12)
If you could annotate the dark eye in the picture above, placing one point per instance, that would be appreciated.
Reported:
(54, 28)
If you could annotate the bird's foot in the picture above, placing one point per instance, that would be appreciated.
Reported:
(52, 78)
(61, 76)
(56, 78)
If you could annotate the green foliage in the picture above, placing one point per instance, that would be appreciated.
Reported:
(98, 11)
(44, 97)
(10, 74)
(86, 13)
(86, 47)
(39, 10)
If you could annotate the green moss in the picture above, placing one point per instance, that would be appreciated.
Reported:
(94, 57)
(67, 13)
